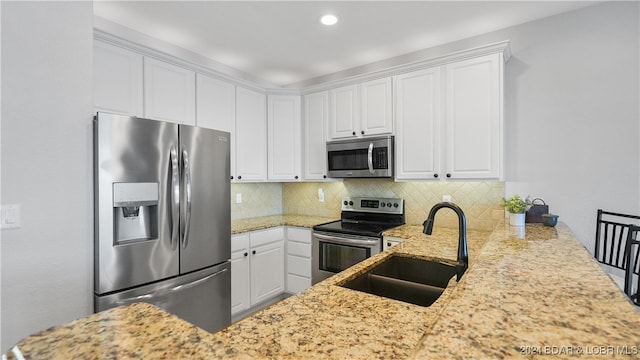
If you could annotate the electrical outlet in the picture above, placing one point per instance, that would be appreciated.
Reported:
(446, 198)
(320, 195)
(238, 198)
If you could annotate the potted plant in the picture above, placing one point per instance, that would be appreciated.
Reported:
(516, 206)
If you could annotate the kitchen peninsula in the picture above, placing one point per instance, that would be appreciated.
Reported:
(524, 294)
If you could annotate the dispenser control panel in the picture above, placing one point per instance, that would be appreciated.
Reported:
(135, 194)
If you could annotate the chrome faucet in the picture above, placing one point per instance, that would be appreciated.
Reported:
(463, 253)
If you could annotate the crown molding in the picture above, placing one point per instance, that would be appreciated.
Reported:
(502, 47)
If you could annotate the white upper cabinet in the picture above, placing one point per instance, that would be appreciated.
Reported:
(216, 108)
(284, 142)
(450, 121)
(474, 118)
(418, 111)
(117, 80)
(216, 104)
(316, 115)
(375, 106)
(169, 92)
(251, 135)
(344, 117)
(361, 110)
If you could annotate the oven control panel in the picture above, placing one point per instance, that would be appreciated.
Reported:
(373, 204)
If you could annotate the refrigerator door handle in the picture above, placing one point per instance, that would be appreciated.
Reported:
(174, 189)
(199, 281)
(136, 299)
(159, 293)
(186, 174)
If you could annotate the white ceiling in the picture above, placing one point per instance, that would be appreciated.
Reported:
(283, 42)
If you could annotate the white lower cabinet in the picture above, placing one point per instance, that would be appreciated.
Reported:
(240, 285)
(298, 259)
(257, 267)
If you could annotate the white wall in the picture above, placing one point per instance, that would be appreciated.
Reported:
(572, 114)
(46, 160)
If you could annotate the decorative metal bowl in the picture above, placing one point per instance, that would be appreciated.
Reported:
(549, 219)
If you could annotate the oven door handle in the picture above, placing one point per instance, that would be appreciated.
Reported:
(345, 241)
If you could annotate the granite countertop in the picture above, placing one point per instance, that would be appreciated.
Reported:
(541, 294)
(265, 222)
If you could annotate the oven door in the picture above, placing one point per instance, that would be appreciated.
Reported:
(332, 252)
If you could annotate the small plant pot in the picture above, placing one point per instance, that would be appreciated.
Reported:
(516, 219)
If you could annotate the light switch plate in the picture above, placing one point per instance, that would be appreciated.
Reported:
(238, 198)
(10, 216)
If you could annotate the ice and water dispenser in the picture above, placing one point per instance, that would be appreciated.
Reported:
(135, 212)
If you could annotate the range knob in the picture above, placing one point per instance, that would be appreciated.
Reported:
(388, 204)
(345, 203)
(350, 203)
(395, 205)
(383, 205)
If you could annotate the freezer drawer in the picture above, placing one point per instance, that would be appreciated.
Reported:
(202, 298)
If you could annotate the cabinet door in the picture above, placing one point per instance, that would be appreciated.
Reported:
(240, 276)
(298, 259)
(117, 80)
(216, 108)
(169, 92)
(474, 118)
(316, 107)
(267, 271)
(251, 135)
(344, 118)
(418, 120)
(216, 104)
(284, 142)
(375, 107)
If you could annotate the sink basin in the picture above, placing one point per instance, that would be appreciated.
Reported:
(416, 281)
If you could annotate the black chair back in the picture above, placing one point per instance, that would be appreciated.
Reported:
(632, 273)
(612, 231)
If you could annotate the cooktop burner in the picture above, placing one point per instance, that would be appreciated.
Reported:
(365, 229)
(366, 216)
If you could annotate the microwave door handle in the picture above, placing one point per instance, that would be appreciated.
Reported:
(186, 173)
(174, 197)
(370, 158)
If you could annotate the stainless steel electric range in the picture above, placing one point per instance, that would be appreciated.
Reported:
(339, 244)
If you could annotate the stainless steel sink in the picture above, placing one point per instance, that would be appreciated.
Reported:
(415, 281)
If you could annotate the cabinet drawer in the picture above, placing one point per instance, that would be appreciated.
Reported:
(239, 242)
(266, 236)
(299, 249)
(299, 266)
(299, 235)
(297, 284)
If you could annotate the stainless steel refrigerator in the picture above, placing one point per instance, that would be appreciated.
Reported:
(162, 218)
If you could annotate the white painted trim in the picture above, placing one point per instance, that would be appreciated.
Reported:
(499, 47)
(105, 31)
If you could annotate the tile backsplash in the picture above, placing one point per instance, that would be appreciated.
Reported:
(481, 201)
(258, 199)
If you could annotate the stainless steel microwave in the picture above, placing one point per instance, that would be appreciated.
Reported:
(360, 158)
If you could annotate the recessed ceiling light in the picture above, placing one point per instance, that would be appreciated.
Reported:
(329, 19)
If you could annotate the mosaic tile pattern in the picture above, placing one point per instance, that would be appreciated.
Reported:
(258, 199)
(481, 201)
